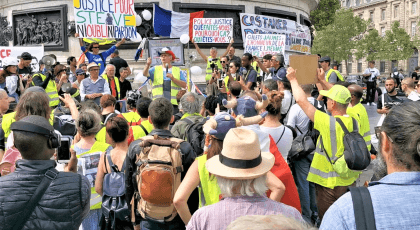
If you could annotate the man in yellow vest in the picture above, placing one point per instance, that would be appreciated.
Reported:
(113, 82)
(329, 171)
(166, 79)
(213, 61)
(132, 117)
(47, 82)
(331, 75)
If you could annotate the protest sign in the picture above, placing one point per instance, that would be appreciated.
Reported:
(105, 19)
(37, 53)
(174, 45)
(212, 30)
(298, 37)
(306, 68)
(262, 44)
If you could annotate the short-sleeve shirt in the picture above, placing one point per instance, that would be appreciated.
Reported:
(125, 86)
(97, 57)
(25, 70)
(277, 74)
(390, 100)
(375, 74)
(166, 80)
(250, 76)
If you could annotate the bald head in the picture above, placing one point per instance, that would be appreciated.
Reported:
(356, 90)
(409, 82)
(3, 93)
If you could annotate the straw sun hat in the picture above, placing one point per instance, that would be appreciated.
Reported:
(241, 157)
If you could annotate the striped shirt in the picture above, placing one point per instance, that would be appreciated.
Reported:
(220, 215)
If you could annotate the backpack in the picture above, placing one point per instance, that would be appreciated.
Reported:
(356, 154)
(64, 123)
(114, 205)
(303, 144)
(158, 176)
(195, 135)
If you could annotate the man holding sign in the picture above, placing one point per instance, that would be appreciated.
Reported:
(166, 79)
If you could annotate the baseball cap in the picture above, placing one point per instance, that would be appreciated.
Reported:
(80, 72)
(325, 58)
(26, 56)
(167, 51)
(337, 93)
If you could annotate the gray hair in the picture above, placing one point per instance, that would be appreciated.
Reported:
(268, 222)
(122, 69)
(213, 48)
(88, 123)
(108, 66)
(247, 187)
(190, 103)
(271, 85)
(2, 92)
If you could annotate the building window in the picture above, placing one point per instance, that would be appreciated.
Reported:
(413, 28)
(413, 7)
(396, 8)
(357, 2)
(371, 16)
(359, 66)
(382, 67)
(394, 64)
(348, 3)
(383, 14)
(383, 31)
(349, 64)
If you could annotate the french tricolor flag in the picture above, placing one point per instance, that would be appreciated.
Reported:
(173, 24)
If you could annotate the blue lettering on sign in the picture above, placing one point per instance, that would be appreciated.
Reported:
(244, 20)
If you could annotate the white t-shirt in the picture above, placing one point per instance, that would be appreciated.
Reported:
(286, 103)
(12, 83)
(374, 71)
(283, 137)
(414, 96)
(298, 118)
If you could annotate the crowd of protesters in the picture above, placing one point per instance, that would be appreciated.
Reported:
(182, 160)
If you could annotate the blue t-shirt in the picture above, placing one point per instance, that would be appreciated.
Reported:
(166, 80)
(250, 75)
(278, 74)
(97, 58)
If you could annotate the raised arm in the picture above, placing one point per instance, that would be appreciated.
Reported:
(227, 49)
(321, 79)
(146, 68)
(199, 51)
(80, 40)
(260, 64)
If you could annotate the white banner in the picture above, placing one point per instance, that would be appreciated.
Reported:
(262, 44)
(298, 37)
(37, 53)
(212, 30)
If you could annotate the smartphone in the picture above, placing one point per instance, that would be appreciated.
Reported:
(63, 152)
(220, 83)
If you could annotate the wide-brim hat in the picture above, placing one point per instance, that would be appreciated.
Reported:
(337, 93)
(93, 64)
(241, 157)
(167, 51)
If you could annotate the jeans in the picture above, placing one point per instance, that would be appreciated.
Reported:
(91, 222)
(370, 93)
(306, 189)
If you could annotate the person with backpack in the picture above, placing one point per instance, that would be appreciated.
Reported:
(282, 134)
(143, 127)
(150, 198)
(299, 121)
(392, 202)
(331, 170)
(93, 55)
(132, 117)
(190, 104)
(88, 151)
(216, 129)
(111, 174)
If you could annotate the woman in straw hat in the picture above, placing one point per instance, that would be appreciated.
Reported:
(216, 128)
(241, 170)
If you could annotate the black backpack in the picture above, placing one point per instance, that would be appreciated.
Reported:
(115, 212)
(356, 153)
(195, 135)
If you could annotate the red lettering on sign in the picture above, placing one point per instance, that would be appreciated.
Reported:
(5, 53)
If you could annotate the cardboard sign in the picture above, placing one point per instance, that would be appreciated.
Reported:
(173, 44)
(298, 37)
(262, 44)
(212, 30)
(105, 18)
(306, 68)
(37, 53)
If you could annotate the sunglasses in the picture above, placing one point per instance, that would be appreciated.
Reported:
(95, 47)
(378, 132)
(223, 62)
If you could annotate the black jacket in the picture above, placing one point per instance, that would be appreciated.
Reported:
(188, 156)
(63, 206)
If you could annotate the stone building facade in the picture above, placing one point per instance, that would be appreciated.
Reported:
(383, 13)
(290, 9)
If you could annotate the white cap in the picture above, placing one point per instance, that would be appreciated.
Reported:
(9, 61)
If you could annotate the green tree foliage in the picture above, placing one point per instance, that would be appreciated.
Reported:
(338, 40)
(369, 45)
(323, 15)
(397, 44)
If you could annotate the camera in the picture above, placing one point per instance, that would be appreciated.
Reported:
(220, 83)
(63, 152)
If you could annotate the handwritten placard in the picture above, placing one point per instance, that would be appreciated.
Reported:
(262, 44)
(105, 18)
(212, 30)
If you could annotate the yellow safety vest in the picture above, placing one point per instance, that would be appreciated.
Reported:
(131, 117)
(208, 189)
(322, 171)
(101, 135)
(9, 118)
(209, 70)
(226, 80)
(359, 112)
(138, 131)
(339, 76)
(117, 84)
(157, 87)
(91, 158)
(51, 90)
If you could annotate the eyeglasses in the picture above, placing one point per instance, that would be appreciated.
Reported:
(223, 62)
(273, 60)
(378, 132)
(94, 69)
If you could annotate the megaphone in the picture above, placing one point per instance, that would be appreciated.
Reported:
(48, 61)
